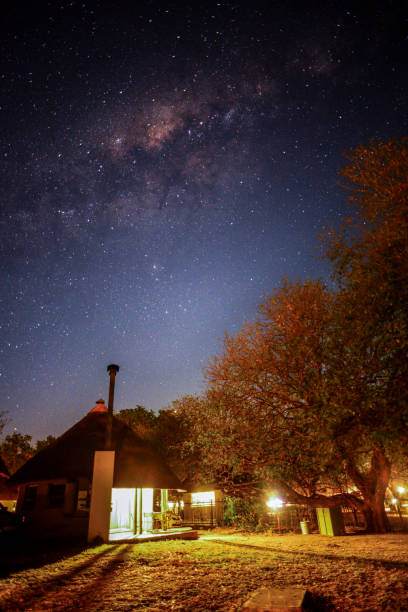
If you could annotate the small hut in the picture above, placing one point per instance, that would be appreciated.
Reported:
(203, 505)
(98, 479)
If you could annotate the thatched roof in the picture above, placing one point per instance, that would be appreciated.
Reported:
(71, 456)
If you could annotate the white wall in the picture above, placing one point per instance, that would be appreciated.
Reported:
(102, 481)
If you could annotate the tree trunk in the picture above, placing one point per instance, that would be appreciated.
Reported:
(372, 487)
(375, 516)
(370, 498)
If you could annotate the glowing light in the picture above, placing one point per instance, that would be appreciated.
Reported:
(203, 497)
(147, 500)
(274, 503)
(394, 500)
(401, 490)
(123, 508)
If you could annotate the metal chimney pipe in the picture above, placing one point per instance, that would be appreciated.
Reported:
(112, 369)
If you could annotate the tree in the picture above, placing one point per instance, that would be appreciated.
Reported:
(370, 257)
(290, 404)
(15, 450)
(173, 442)
(3, 421)
(165, 431)
(141, 420)
(41, 444)
(314, 393)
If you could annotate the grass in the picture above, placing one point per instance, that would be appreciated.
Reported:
(217, 572)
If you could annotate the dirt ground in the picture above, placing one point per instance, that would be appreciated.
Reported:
(217, 572)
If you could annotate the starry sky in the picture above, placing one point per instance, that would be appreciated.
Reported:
(162, 167)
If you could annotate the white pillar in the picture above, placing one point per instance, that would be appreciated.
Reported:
(101, 493)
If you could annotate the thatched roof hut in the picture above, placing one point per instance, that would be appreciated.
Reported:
(71, 456)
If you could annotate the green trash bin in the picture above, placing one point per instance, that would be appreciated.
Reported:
(330, 521)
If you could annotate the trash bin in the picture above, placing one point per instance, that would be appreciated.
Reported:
(330, 521)
(304, 526)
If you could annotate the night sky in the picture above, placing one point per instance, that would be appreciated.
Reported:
(162, 167)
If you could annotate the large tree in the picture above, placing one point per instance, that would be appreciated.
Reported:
(370, 257)
(313, 395)
(288, 406)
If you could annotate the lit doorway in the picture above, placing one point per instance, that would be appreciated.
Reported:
(123, 511)
(137, 511)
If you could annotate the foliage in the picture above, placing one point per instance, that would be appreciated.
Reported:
(41, 444)
(289, 407)
(246, 513)
(15, 450)
(271, 392)
(172, 435)
(370, 257)
(166, 431)
(3, 420)
(141, 420)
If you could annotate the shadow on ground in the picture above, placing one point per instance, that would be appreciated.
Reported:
(318, 603)
(18, 553)
(395, 564)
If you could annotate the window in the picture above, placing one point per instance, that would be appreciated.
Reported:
(56, 495)
(30, 497)
(204, 498)
(84, 500)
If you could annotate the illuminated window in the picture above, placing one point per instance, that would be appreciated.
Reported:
(204, 498)
(84, 500)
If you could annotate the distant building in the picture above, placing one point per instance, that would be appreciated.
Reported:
(203, 505)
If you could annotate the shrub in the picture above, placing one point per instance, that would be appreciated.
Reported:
(248, 514)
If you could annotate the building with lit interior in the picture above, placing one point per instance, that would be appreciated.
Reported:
(203, 506)
(97, 480)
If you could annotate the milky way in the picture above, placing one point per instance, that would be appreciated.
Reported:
(162, 169)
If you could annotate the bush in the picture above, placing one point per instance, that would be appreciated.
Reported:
(248, 514)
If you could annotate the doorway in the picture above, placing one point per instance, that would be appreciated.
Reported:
(123, 510)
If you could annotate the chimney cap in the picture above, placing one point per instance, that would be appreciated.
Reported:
(99, 406)
(112, 367)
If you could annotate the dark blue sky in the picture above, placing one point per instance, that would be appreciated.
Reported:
(162, 169)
